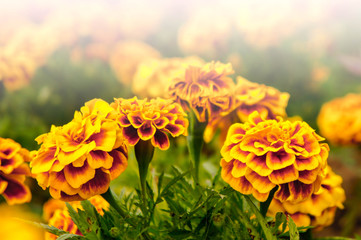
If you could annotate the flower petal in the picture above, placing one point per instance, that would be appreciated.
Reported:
(97, 159)
(160, 140)
(131, 135)
(285, 175)
(261, 184)
(300, 191)
(16, 192)
(77, 176)
(239, 169)
(120, 163)
(258, 164)
(97, 185)
(146, 131)
(174, 130)
(279, 160)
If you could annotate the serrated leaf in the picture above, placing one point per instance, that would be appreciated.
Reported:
(266, 230)
(70, 236)
(294, 234)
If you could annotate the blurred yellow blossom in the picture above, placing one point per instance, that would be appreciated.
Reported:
(339, 120)
(154, 76)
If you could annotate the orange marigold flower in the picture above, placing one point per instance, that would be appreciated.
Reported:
(205, 89)
(340, 120)
(62, 220)
(248, 97)
(150, 120)
(13, 172)
(153, 76)
(260, 155)
(319, 210)
(78, 160)
(57, 215)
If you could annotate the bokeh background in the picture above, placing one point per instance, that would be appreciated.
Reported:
(56, 55)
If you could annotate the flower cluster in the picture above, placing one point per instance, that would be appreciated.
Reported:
(57, 215)
(13, 171)
(340, 120)
(319, 210)
(248, 97)
(78, 160)
(205, 90)
(154, 76)
(150, 120)
(260, 155)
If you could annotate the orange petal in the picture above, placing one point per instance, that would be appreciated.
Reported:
(146, 131)
(120, 163)
(131, 135)
(77, 176)
(285, 175)
(97, 159)
(261, 184)
(16, 192)
(174, 130)
(57, 180)
(307, 163)
(97, 185)
(160, 140)
(279, 160)
(239, 169)
(300, 191)
(161, 122)
(43, 161)
(135, 119)
(258, 164)
(308, 176)
(283, 192)
(239, 154)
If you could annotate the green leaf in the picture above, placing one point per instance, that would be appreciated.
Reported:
(266, 230)
(70, 236)
(294, 234)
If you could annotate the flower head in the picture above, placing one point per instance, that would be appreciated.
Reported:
(57, 215)
(319, 210)
(205, 90)
(78, 160)
(13, 171)
(340, 120)
(154, 76)
(150, 120)
(260, 155)
(248, 97)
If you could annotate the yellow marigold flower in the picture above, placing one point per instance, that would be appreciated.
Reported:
(340, 120)
(127, 56)
(154, 76)
(205, 89)
(260, 155)
(78, 160)
(13, 172)
(319, 210)
(56, 213)
(248, 97)
(150, 120)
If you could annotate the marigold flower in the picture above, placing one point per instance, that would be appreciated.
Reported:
(78, 160)
(57, 215)
(340, 120)
(205, 89)
(153, 76)
(248, 97)
(13, 172)
(150, 120)
(127, 56)
(319, 210)
(260, 155)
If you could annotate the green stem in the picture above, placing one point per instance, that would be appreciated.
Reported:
(265, 205)
(109, 197)
(195, 141)
(144, 151)
(306, 235)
